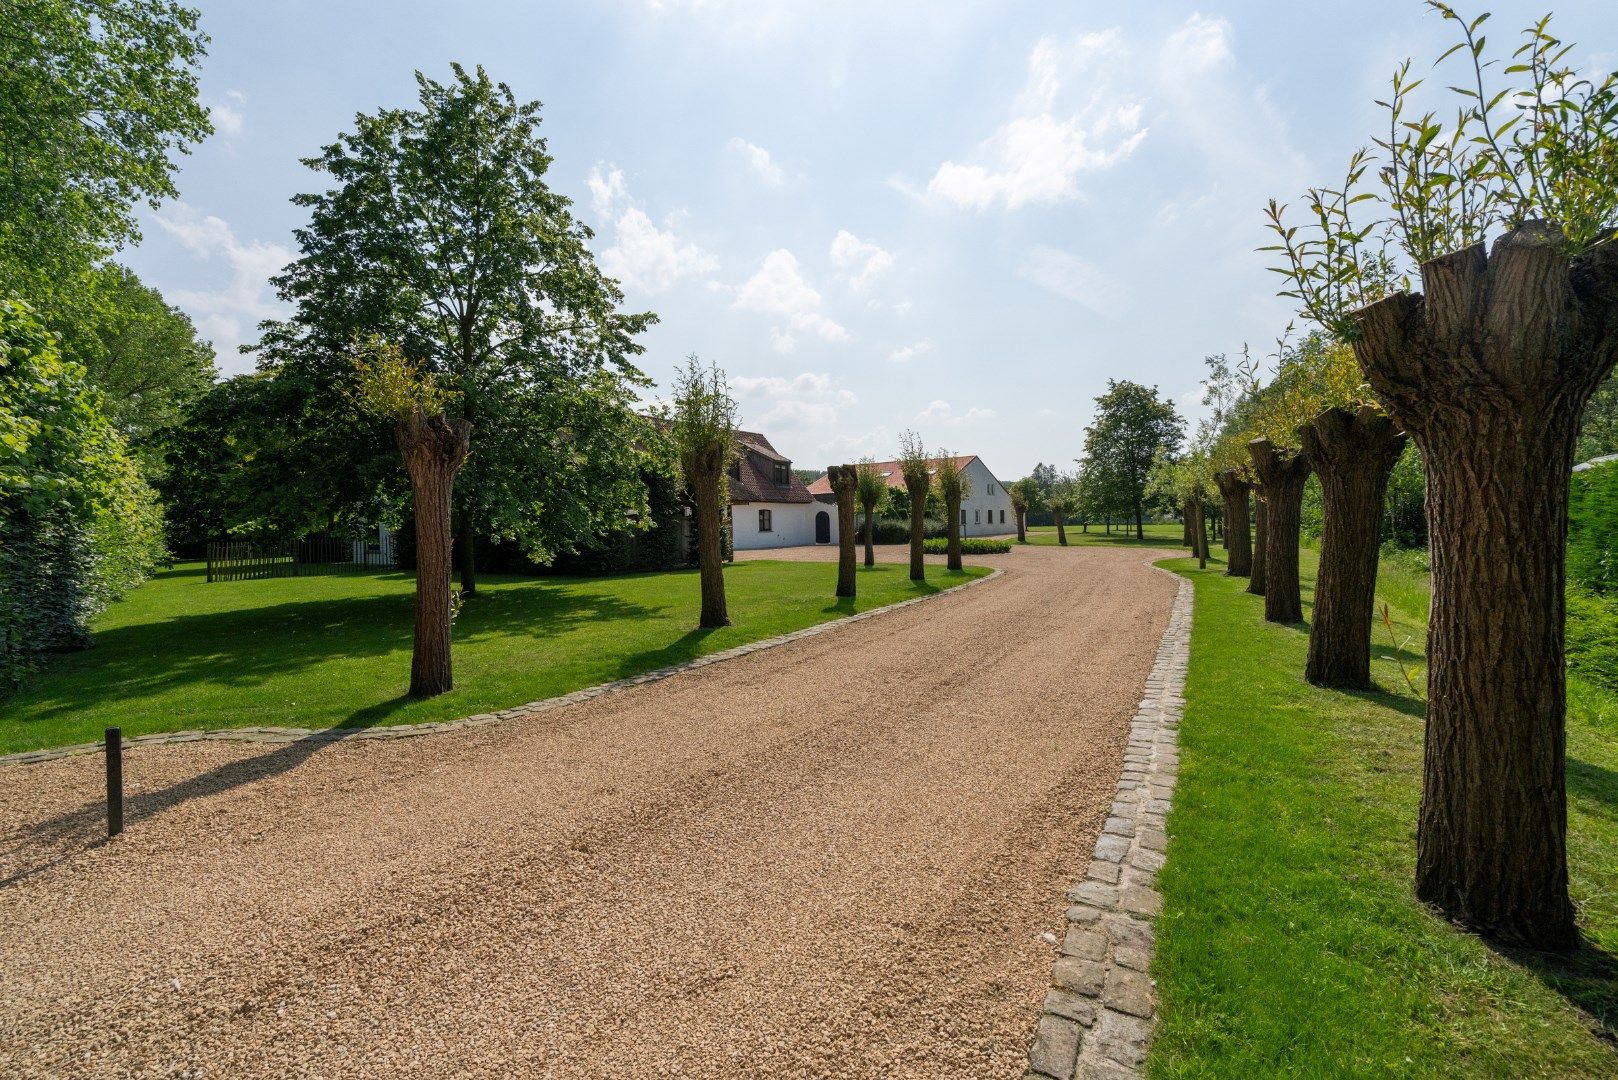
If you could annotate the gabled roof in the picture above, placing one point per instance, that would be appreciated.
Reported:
(756, 460)
(889, 469)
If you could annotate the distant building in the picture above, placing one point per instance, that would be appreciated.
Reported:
(986, 510)
(769, 506)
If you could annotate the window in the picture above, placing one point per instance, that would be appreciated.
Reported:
(735, 469)
(977, 517)
(1002, 517)
(963, 517)
(764, 521)
(991, 489)
(783, 473)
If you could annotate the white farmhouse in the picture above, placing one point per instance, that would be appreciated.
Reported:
(769, 506)
(986, 510)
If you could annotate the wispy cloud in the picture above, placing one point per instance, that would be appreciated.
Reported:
(1069, 119)
(1073, 278)
(940, 412)
(907, 353)
(861, 261)
(811, 400)
(228, 315)
(643, 256)
(759, 160)
(778, 289)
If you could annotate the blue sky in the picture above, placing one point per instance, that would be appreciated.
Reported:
(957, 218)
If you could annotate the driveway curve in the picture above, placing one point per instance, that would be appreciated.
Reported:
(833, 858)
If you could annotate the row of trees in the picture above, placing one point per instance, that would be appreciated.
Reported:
(1488, 370)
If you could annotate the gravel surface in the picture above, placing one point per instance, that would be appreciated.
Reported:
(834, 858)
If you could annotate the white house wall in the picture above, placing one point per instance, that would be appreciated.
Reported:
(987, 510)
(792, 524)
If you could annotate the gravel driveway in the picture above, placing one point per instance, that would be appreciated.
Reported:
(833, 858)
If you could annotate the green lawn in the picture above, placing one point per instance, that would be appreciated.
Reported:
(1291, 943)
(316, 652)
(1156, 535)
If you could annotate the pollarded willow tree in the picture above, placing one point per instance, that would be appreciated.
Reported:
(1185, 481)
(433, 447)
(871, 490)
(1060, 503)
(1024, 493)
(1488, 370)
(703, 429)
(845, 484)
(953, 486)
(917, 469)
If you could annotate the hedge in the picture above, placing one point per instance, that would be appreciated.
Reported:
(970, 545)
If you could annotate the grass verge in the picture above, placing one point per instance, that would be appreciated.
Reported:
(1291, 943)
(1157, 535)
(319, 652)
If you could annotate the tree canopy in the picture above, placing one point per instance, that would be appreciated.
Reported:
(1132, 427)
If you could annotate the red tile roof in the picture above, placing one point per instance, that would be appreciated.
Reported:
(895, 478)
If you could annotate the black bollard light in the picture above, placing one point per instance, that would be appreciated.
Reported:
(115, 781)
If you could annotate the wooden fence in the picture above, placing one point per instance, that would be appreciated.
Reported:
(244, 560)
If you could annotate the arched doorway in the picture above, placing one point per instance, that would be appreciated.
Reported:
(823, 528)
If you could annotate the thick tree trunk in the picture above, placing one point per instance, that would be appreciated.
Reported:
(1261, 537)
(952, 545)
(1185, 527)
(1061, 532)
(710, 547)
(1238, 541)
(1140, 525)
(1353, 453)
(918, 525)
(433, 450)
(1489, 373)
(843, 482)
(870, 534)
(1283, 477)
(1022, 524)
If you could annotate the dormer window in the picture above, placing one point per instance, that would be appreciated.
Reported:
(783, 473)
(735, 469)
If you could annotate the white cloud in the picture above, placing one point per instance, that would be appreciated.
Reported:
(228, 119)
(226, 316)
(862, 260)
(910, 352)
(809, 400)
(1199, 45)
(1073, 278)
(759, 160)
(1057, 129)
(643, 256)
(940, 412)
(779, 289)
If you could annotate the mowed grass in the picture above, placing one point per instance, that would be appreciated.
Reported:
(1291, 942)
(1156, 535)
(179, 653)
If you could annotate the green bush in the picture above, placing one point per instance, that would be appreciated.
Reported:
(973, 545)
(893, 531)
(78, 525)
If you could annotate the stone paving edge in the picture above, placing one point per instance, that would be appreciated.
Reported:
(1099, 1013)
(518, 712)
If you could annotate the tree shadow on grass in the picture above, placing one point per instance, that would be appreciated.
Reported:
(247, 647)
(1595, 783)
(1586, 977)
(57, 839)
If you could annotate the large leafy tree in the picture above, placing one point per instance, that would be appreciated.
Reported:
(96, 98)
(1132, 426)
(440, 234)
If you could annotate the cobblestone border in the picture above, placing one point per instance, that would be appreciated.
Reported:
(406, 731)
(1099, 1013)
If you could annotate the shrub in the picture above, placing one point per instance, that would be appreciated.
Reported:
(891, 531)
(973, 545)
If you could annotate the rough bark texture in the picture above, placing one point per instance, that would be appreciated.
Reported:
(1489, 373)
(1261, 535)
(1061, 530)
(870, 534)
(1283, 477)
(1353, 453)
(952, 546)
(433, 450)
(844, 480)
(1200, 533)
(917, 487)
(1233, 491)
(709, 511)
(1022, 524)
